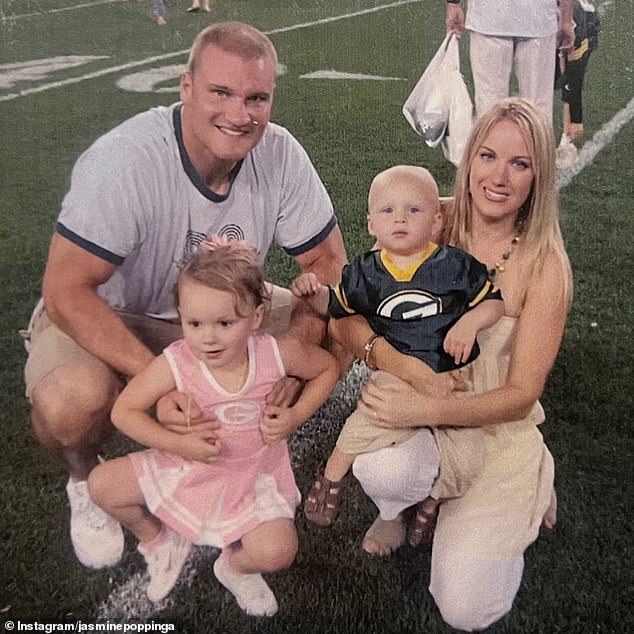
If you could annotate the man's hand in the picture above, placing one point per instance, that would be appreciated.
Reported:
(565, 26)
(454, 21)
(565, 37)
(178, 413)
(285, 392)
(198, 444)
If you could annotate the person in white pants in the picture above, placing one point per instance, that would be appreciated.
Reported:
(505, 212)
(523, 35)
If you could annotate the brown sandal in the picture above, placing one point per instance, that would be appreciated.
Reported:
(423, 524)
(323, 500)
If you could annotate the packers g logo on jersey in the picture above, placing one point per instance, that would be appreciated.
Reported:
(407, 305)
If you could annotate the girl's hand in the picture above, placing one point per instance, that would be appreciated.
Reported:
(200, 444)
(175, 408)
(277, 423)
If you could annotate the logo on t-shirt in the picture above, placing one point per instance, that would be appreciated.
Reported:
(237, 412)
(407, 305)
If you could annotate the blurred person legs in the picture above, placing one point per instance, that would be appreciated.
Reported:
(570, 77)
(493, 58)
(159, 10)
(195, 8)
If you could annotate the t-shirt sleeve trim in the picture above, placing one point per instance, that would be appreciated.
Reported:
(89, 246)
(488, 291)
(313, 242)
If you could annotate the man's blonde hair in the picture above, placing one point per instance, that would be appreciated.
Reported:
(233, 37)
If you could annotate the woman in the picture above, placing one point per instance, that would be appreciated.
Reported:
(505, 213)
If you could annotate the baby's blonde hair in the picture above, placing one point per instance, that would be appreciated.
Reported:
(412, 173)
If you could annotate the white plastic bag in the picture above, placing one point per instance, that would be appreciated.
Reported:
(460, 107)
(426, 108)
(439, 107)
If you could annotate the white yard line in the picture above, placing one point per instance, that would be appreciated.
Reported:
(35, 14)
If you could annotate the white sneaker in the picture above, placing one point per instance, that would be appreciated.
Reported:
(97, 538)
(164, 563)
(566, 155)
(250, 590)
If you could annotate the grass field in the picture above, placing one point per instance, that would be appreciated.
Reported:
(578, 579)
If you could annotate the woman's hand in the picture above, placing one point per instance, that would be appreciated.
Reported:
(390, 402)
(180, 414)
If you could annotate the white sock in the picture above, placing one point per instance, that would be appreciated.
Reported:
(250, 590)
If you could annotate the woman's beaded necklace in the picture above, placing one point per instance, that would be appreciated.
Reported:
(500, 265)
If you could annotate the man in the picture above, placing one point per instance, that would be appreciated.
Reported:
(505, 33)
(141, 197)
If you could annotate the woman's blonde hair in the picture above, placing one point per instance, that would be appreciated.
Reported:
(232, 267)
(538, 217)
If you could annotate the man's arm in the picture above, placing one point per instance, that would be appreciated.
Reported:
(326, 261)
(565, 31)
(69, 288)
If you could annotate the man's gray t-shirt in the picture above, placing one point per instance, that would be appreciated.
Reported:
(136, 201)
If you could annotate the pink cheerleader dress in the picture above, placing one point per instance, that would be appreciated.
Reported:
(250, 483)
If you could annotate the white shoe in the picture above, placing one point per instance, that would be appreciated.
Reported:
(97, 538)
(250, 590)
(566, 155)
(164, 563)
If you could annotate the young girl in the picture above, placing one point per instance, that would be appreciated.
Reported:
(228, 485)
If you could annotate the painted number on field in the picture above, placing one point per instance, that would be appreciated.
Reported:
(150, 80)
(38, 69)
(164, 79)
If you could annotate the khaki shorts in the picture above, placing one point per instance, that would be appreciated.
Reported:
(359, 435)
(49, 348)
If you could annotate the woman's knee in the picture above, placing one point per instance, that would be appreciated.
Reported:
(462, 613)
(472, 593)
